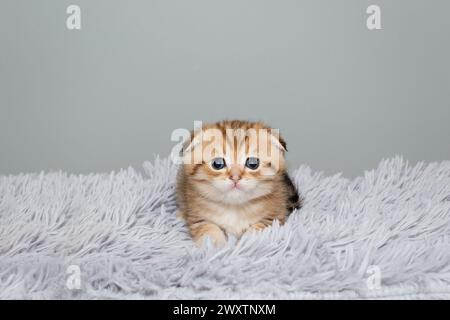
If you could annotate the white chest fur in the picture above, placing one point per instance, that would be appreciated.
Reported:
(234, 220)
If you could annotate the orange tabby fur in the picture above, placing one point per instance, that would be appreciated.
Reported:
(206, 197)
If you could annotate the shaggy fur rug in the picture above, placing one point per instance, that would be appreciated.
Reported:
(381, 235)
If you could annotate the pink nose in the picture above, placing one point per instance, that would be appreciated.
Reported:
(235, 178)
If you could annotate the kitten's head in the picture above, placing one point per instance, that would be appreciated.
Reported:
(234, 162)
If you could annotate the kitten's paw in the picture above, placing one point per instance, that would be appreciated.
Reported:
(256, 227)
(213, 232)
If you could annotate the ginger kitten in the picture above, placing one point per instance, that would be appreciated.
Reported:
(233, 180)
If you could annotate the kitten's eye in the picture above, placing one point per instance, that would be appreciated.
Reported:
(218, 163)
(252, 163)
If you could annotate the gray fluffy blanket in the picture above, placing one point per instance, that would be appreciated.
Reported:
(382, 235)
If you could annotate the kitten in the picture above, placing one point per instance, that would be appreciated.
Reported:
(234, 180)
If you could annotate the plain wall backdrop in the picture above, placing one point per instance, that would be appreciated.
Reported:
(109, 95)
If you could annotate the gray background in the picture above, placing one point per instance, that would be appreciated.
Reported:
(108, 96)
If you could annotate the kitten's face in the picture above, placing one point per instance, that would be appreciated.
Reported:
(236, 165)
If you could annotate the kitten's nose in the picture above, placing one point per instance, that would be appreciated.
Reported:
(235, 174)
(235, 178)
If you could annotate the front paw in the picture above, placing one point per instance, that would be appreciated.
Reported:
(256, 227)
(212, 231)
(218, 238)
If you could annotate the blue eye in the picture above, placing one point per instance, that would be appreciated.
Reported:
(218, 163)
(252, 163)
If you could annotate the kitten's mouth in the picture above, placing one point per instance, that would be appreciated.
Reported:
(236, 186)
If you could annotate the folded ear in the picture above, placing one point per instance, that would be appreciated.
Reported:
(277, 140)
(194, 140)
(189, 144)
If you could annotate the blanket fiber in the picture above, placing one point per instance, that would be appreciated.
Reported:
(382, 235)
